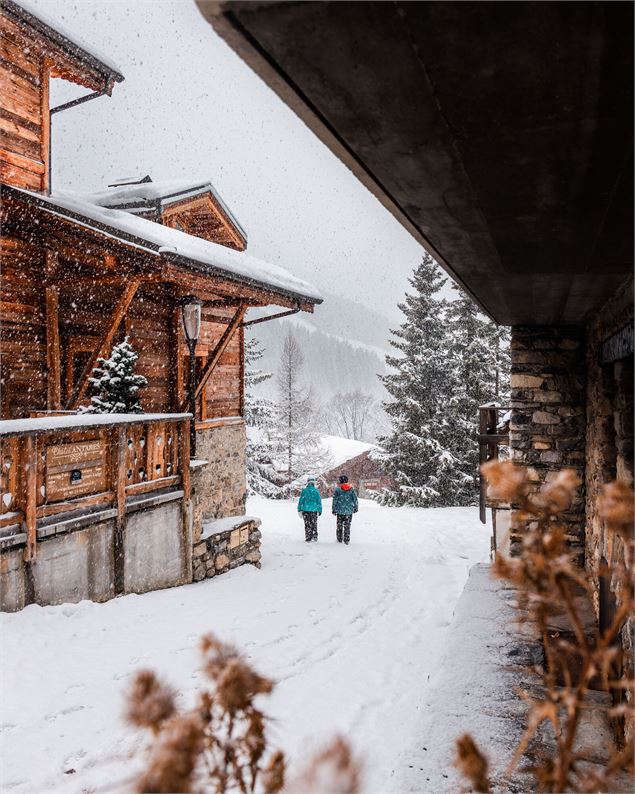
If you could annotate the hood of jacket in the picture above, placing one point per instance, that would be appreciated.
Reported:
(346, 486)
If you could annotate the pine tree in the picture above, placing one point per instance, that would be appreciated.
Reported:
(417, 450)
(297, 445)
(479, 364)
(262, 476)
(114, 384)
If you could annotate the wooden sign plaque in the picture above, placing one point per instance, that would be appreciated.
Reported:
(75, 469)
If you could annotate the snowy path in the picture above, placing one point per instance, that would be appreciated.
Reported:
(352, 635)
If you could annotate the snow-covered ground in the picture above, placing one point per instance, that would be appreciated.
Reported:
(352, 635)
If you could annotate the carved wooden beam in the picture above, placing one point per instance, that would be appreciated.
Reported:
(217, 352)
(104, 346)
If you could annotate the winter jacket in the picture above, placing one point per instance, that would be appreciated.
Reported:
(310, 500)
(344, 500)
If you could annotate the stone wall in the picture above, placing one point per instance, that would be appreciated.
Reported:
(219, 486)
(609, 448)
(609, 453)
(547, 428)
(76, 561)
(225, 545)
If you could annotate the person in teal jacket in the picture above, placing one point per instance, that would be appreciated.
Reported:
(344, 505)
(310, 506)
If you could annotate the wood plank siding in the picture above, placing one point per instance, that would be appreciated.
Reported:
(24, 111)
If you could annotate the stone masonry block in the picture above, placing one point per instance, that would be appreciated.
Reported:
(520, 381)
(545, 418)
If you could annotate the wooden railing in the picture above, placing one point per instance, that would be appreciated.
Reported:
(491, 437)
(53, 465)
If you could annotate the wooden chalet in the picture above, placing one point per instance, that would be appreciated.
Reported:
(79, 273)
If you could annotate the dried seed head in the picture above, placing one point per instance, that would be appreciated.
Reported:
(273, 774)
(505, 481)
(238, 684)
(174, 759)
(216, 656)
(472, 763)
(149, 701)
(558, 495)
(333, 771)
(616, 508)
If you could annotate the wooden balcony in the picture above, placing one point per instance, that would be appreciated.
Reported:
(68, 465)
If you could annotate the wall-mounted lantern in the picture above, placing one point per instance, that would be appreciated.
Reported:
(191, 316)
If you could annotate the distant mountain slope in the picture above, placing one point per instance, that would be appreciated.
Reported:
(332, 363)
(350, 320)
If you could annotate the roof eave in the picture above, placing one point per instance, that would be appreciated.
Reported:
(72, 50)
(304, 301)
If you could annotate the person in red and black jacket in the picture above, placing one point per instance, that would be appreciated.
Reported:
(344, 505)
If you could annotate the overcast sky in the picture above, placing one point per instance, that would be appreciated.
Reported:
(190, 108)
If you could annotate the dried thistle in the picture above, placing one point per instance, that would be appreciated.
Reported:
(174, 758)
(332, 771)
(548, 580)
(237, 685)
(273, 774)
(221, 742)
(505, 480)
(472, 763)
(149, 701)
(616, 509)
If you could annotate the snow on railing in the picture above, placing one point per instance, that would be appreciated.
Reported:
(51, 465)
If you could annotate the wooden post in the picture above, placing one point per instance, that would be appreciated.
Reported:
(241, 376)
(104, 345)
(54, 373)
(482, 457)
(119, 453)
(186, 506)
(30, 463)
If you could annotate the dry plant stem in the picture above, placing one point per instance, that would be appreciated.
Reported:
(221, 744)
(546, 577)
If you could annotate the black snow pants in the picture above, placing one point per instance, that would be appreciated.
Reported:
(310, 526)
(343, 528)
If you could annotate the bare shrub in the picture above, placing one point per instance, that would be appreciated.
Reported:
(548, 580)
(221, 744)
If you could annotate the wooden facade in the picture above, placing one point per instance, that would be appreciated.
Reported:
(30, 56)
(76, 278)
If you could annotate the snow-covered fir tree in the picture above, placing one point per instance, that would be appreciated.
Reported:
(478, 357)
(262, 475)
(114, 384)
(418, 453)
(297, 446)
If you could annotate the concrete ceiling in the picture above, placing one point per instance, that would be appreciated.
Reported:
(500, 134)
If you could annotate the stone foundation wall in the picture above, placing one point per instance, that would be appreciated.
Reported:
(76, 557)
(219, 487)
(609, 448)
(547, 428)
(219, 552)
(609, 453)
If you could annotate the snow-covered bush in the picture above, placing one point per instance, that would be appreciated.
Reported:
(114, 384)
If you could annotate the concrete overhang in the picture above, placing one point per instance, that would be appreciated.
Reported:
(499, 134)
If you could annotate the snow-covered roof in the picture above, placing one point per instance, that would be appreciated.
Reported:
(47, 423)
(143, 195)
(66, 40)
(343, 449)
(156, 239)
